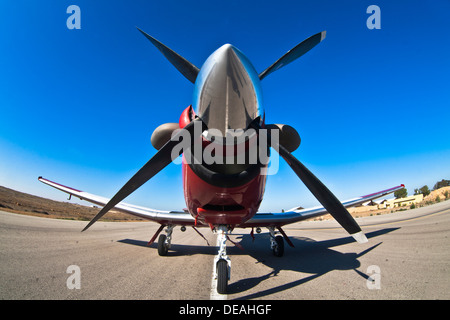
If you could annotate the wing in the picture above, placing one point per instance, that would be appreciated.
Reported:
(294, 215)
(163, 217)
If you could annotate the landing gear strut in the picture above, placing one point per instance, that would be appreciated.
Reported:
(276, 243)
(164, 241)
(222, 263)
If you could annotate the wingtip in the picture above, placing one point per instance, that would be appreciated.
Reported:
(323, 34)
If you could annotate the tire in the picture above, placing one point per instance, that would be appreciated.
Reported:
(162, 248)
(222, 276)
(278, 250)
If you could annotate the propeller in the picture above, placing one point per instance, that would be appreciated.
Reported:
(190, 71)
(317, 188)
(158, 162)
(186, 68)
(294, 53)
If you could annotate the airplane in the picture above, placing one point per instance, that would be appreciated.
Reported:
(223, 181)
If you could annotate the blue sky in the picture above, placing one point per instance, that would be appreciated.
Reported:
(79, 106)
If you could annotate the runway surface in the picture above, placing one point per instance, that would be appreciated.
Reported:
(407, 257)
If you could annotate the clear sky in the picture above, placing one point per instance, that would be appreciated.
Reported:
(79, 106)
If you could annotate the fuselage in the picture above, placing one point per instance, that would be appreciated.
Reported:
(222, 182)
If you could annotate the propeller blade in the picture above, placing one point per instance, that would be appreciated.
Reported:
(294, 53)
(186, 68)
(318, 189)
(158, 162)
(325, 196)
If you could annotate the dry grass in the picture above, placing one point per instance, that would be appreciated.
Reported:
(23, 203)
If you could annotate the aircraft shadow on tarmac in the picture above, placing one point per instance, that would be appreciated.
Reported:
(308, 256)
(175, 249)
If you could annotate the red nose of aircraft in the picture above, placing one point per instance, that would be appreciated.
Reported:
(227, 91)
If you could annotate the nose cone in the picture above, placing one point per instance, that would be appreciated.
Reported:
(227, 91)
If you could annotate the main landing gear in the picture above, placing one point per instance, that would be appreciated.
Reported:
(276, 243)
(164, 241)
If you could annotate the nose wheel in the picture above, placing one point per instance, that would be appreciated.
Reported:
(222, 263)
(222, 276)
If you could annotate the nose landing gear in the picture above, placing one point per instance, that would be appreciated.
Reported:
(222, 263)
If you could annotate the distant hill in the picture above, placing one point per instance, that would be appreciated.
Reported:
(441, 194)
(23, 203)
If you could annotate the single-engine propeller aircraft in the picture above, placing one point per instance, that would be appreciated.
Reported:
(225, 143)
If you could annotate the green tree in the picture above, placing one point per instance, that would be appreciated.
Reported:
(424, 190)
(441, 184)
(402, 193)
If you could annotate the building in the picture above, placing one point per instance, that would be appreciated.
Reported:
(401, 202)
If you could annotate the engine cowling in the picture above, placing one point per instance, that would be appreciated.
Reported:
(162, 134)
(289, 137)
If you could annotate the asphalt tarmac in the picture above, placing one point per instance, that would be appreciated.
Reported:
(407, 257)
